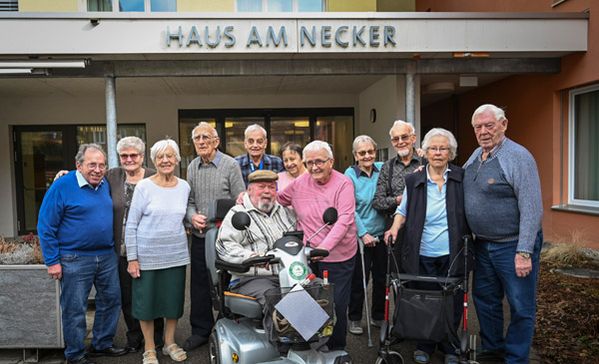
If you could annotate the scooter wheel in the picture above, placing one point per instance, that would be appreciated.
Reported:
(392, 357)
(214, 350)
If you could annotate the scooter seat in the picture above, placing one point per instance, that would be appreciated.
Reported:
(243, 305)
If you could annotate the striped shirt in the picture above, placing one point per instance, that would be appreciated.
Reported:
(155, 234)
(235, 246)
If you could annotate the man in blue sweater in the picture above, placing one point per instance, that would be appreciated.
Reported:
(75, 229)
(502, 195)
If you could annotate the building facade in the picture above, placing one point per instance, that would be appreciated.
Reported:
(74, 71)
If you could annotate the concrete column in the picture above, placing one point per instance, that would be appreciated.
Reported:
(412, 87)
(111, 122)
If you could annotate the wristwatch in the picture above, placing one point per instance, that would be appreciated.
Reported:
(524, 255)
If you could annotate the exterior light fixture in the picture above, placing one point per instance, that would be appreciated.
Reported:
(42, 64)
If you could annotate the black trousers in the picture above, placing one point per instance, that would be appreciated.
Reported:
(439, 267)
(201, 316)
(340, 274)
(134, 334)
(375, 261)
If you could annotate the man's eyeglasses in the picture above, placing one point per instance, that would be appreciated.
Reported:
(317, 162)
(125, 156)
(100, 166)
(403, 138)
(438, 149)
(362, 153)
(202, 137)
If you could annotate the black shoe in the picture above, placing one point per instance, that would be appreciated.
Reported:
(193, 342)
(134, 347)
(111, 351)
(490, 356)
(83, 360)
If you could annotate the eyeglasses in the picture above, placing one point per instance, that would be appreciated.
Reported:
(438, 149)
(403, 138)
(100, 166)
(362, 153)
(133, 156)
(317, 162)
(202, 137)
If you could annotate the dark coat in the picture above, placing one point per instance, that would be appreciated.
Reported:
(416, 185)
(116, 179)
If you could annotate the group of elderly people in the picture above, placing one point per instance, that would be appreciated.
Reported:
(496, 196)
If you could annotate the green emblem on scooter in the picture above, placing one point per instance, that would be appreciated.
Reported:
(298, 271)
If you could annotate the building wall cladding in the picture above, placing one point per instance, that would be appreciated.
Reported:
(537, 108)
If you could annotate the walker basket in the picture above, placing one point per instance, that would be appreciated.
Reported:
(280, 330)
(423, 315)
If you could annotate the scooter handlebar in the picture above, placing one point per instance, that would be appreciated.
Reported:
(258, 260)
(319, 253)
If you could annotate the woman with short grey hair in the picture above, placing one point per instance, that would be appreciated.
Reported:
(157, 250)
(432, 210)
(370, 223)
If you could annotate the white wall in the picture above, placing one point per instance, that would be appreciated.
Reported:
(160, 114)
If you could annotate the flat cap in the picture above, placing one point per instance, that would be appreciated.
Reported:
(262, 176)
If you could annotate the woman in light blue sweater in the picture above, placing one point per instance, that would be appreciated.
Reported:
(157, 250)
(371, 226)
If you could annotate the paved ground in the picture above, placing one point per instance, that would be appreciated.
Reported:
(357, 347)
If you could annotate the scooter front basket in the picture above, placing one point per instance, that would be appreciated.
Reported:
(280, 330)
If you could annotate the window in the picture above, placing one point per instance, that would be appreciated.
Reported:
(584, 147)
(41, 151)
(333, 125)
(127, 6)
(285, 6)
(9, 5)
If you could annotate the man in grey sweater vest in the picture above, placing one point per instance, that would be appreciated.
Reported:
(503, 206)
(212, 175)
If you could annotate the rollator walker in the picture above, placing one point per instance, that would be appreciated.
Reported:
(425, 315)
(239, 335)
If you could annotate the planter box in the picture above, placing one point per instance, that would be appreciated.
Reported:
(29, 308)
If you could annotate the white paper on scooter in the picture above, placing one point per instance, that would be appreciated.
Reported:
(303, 312)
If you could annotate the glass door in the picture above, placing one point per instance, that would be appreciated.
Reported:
(40, 153)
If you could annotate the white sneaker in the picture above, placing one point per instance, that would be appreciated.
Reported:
(355, 328)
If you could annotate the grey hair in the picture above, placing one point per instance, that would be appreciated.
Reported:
(252, 128)
(131, 142)
(204, 125)
(315, 146)
(80, 156)
(400, 123)
(453, 144)
(161, 145)
(497, 112)
(362, 139)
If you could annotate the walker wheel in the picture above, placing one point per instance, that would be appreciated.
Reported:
(391, 357)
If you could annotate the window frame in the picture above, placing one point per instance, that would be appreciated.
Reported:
(115, 8)
(294, 6)
(572, 145)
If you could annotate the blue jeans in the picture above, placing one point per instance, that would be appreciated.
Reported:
(78, 275)
(494, 277)
(340, 274)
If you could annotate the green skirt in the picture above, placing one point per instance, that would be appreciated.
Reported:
(159, 293)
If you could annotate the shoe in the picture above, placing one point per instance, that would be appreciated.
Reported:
(133, 347)
(111, 351)
(175, 352)
(376, 323)
(451, 359)
(82, 360)
(194, 342)
(355, 328)
(421, 357)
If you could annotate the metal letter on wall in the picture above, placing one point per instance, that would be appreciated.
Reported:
(178, 36)
(276, 40)
(341, 43)
(254, 38)
(305, 35)
(209, 43)
(193, 37)
(229, 36)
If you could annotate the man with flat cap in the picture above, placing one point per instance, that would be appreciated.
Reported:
(269, 221)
